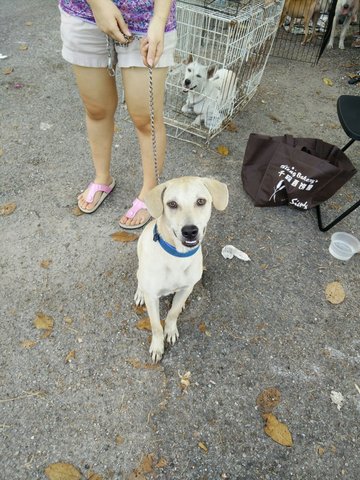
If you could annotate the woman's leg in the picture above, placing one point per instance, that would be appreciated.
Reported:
(99, 95)
(136, 88)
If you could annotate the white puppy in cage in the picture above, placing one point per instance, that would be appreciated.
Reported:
(211, 93)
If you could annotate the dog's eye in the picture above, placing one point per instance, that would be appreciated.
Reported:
(172, 204)
(200, 202)
(189, 70)
(199, 76)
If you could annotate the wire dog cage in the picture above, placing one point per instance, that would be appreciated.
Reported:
(291, 41)
(222, 50)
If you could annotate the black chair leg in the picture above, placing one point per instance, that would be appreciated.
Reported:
(345, 147)
(343, 215)
(337, 219)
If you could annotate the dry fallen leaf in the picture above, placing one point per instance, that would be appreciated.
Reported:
(8, 70)
(203, 447)
(94, 476)
(262, 326)
(334, 206)
(144, 324)
(28, 344)
(202, 327)
(23, 47)
(7, 208)
(68, 321)
(274, 118)
(44, 322)
(268, 399)
(46, 334)
(161, 463)
(223, 150)
(28, 24)
(134, 362)
(139, 309)
(231, 127)
(320, 451)
(70, 356)
(124, 236)
(277, 431)
(45, 263)
(328, 82)
(185, 380)
(77, 212)
(136, 475)
(119, 440)
(146, 465)
(334, 293)
(62, 471)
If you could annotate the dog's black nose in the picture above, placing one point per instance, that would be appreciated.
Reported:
(190, 232)
(187, 82)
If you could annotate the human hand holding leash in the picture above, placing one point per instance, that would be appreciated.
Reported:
(109, 20)
(152, 46)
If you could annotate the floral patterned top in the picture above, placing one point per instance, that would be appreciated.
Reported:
(137, 13)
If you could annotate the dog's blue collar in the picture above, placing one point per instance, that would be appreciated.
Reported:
(169, 248)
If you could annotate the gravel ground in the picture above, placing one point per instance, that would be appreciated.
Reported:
(83, 392)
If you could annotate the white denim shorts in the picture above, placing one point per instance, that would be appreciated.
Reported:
(85, 45)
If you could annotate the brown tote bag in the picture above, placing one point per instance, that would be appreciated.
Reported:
(301, 172)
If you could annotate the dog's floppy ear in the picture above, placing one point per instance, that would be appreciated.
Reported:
(154, 200)
(218, 191)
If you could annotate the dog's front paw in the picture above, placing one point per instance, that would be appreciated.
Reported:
(139, 297)
(330, 45)
(171, 334)
(341, 46)
(156, 349)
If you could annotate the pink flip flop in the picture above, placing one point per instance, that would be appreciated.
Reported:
(136, 206)
(92, 189)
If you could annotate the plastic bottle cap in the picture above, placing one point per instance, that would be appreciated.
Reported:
(344, 245)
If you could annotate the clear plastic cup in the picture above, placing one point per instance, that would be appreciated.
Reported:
(344, 245)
